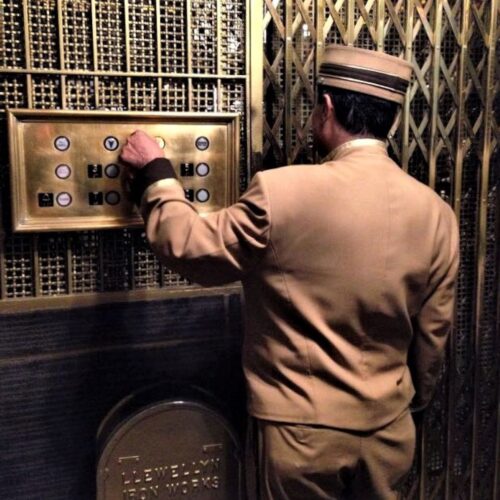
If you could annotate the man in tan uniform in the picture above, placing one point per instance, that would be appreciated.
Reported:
(348, 270)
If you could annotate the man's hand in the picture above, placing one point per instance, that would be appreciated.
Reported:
(140, 149)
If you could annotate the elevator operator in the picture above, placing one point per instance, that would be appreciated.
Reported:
(348, 269)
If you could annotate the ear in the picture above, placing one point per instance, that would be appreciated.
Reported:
(327, 108)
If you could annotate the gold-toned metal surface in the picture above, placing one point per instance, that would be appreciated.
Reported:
(119, 56)
(178, 449)
(150, 55)
(66, 173)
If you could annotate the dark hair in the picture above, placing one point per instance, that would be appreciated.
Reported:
(361, 113)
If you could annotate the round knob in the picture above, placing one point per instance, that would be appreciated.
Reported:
(111, 143)
(113, 197)
(202, 195)
(64, 199)
(202, 143)
(63, 171)
(62, 143)
(112, 171)
(202, 169)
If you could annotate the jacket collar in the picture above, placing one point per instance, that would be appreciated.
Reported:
(355, 144)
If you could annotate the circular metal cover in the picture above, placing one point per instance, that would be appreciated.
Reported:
(171, 450)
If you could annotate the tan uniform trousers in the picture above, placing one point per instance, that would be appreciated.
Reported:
(304, 462)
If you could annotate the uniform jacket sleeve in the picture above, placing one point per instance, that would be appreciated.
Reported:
(433, 323)
(212, 249)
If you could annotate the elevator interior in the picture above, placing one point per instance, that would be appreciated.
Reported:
(87, 313)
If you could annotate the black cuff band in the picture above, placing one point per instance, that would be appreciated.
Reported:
(154, 171)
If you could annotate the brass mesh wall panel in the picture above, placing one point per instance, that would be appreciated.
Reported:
(77, 35)
(11, 47)
(85, 262)
(174, 36)
(110, 36)
(41, 38)
(117, 55)
(446, 136)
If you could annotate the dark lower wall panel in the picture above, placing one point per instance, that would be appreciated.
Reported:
(114, 325)
(62, 371)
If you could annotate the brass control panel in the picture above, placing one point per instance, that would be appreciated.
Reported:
(66, 173)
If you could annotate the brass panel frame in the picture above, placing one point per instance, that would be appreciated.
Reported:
(24, 213)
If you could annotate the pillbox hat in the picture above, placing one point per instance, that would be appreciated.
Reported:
(365, 71)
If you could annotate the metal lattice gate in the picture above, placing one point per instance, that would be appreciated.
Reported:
(448, 137)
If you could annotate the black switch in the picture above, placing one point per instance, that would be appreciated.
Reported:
(189, 194)
(94, 171)
(96, 198)
(187, 169)
(45, 199)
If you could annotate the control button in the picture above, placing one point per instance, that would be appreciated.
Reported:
(96, 198)
(63, 171)
(187, 169)
(112, 171)
(202, 143)
(94, 171)
(202, 169)
(202, 195)
(64, 199)
(189, 194)
(111, 143)
(45, 199)
(160, 141)
(62, 143)
(113, 197)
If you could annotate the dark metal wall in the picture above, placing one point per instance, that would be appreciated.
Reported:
(62, 371)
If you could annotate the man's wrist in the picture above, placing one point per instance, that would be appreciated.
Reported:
(154, 171)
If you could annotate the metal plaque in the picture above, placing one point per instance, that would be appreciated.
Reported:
(66, 173)
(171, 450)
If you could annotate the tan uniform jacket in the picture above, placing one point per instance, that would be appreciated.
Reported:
(348, 268)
